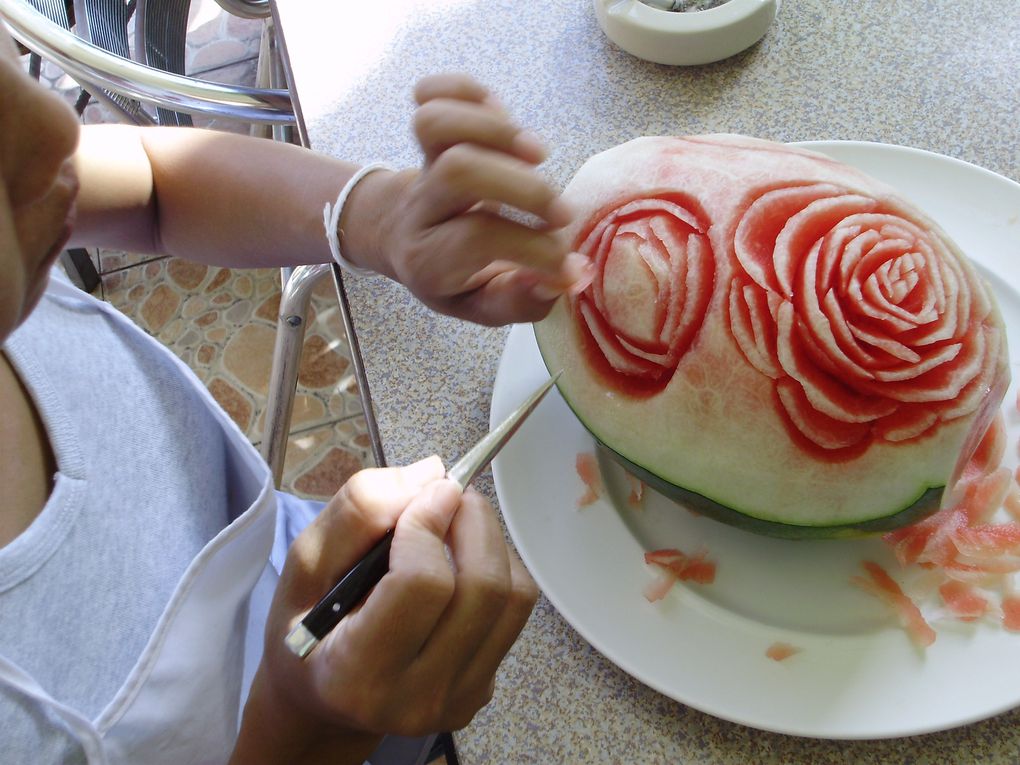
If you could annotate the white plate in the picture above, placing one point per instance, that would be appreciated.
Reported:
(858, 675)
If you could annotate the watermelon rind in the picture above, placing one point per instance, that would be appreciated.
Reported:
(927, 503)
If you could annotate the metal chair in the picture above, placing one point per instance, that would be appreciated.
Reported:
(97, 68)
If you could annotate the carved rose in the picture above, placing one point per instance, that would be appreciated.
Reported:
(869, 326)
(653, 278)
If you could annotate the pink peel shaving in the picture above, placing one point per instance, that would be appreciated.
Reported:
(971, 551)
(885, 588)
(637, 491)
(677, 566)
(780, 651)
(588, 470)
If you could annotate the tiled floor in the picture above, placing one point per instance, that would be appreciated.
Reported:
(221, 321)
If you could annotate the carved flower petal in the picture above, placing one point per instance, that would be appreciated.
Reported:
(816, 427)
(825, 394)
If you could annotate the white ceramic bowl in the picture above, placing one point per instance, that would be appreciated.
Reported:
(685, 39)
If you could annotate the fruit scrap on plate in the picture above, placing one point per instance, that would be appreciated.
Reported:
(587, 466)
(637, 491)
(883, 586)
(780, 651)
(676, 566)
(969, 550)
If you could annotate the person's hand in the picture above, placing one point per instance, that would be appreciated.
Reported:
(421, 653)
(454, 233)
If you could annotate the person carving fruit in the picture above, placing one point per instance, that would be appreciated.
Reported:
(138, 522)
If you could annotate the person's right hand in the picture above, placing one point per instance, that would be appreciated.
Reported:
(453, 232)
(420, 655)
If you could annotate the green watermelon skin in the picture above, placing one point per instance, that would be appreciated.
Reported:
(928, 503)
(716, 418)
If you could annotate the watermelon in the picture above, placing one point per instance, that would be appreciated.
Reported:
(773, 338)
(780, 651)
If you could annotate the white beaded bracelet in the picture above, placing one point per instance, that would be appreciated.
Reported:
(331, 218)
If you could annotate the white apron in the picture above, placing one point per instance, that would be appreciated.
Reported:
(180, 703)
(182, 700)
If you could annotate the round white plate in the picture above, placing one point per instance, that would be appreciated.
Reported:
(857, 675)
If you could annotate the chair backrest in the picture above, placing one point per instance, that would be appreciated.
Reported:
(160, 30)
(55, 11)
(104, 73)
(104, 23)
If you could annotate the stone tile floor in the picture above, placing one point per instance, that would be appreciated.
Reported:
(222, 321)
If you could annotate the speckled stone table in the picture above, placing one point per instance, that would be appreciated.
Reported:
(942, 75)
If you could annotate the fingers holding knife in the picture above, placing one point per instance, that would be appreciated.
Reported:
(421, 652)
(350, 524)
(405, 606)
(492, 600)
(353, 587)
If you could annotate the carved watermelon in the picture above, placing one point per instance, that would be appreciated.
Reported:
(773, 338)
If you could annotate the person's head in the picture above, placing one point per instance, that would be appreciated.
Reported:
(38, 134)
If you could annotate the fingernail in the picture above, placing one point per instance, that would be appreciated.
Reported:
(424, 471)
(530, 146)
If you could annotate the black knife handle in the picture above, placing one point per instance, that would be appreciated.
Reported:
(350, 590)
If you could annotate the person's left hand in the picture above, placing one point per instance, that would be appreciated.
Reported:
(454, 233)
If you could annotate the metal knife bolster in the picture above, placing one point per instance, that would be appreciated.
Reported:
(478, 457)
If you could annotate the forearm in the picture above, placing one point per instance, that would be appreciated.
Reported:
(218, 198)
(449, 231)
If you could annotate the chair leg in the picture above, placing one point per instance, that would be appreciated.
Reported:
(80, 269)
(290, 334)
(449, 749)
